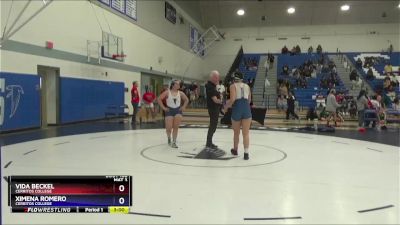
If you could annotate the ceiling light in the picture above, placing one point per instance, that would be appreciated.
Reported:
(291, 10)
(240, 12)
(345, 7)
(398, 6)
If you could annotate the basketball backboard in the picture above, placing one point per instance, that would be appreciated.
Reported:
(112, 47)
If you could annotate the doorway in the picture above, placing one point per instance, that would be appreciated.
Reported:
(50, 93)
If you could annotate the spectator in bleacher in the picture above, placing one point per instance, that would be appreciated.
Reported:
(285, 70)
(285, 50)
(353, 78)
(362, 104)
(370, 74)
(359, 63)
(290, 106)
(379, 107)
(387, 84)
(396, 104)
(283, 89)
(388, 69)
(310, 50)
(298, 50)
(271, 60)
(341, 100)
(281, 103)
(394, 80)
(266, 65)
(331, 107)
(293, 51)
(390, 50)
(319, 49)
(301, 82)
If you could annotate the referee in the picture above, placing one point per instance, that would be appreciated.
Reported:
(214, 103)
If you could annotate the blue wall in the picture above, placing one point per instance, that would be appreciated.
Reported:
(21, 101)
(83, 99)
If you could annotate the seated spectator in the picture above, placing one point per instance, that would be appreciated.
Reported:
(311, 114)
(285, 50)
(293, 51)
(396, 104)
(387, 84)
(358, 63)
(388, 69)
(394, 80)
(307, 72)
(310, 50)
(301, 82)
(294, 70)
(285, 70)
(370, 74)
(319, 49)
(298, 50)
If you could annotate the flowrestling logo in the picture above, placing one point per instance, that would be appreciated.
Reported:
(12, 92)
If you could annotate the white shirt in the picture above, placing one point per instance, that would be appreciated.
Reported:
(174, 101)
(220, 88)
(242, 90)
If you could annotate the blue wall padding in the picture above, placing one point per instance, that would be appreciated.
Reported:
(21, 101)
(83, 99)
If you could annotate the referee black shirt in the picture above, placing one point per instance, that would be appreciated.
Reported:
(211, 91)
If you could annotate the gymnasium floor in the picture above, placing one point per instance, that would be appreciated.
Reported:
(291, 177)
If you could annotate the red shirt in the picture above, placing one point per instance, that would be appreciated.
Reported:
(149, 97)
(135, 95)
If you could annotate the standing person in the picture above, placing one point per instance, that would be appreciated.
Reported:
(271, 59)
(362, 104)
(331, 106)
(240, 98)
(290, 106)
(148, 99)
(173, 110)
(135, 98)
(214, 103)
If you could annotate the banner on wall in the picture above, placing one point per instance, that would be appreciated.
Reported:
(170, 13)
(19, 101)
(125, 7)
(196, 42)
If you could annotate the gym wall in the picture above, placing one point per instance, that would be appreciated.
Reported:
(69, 24)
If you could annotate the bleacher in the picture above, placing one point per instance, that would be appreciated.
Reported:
(248, 72)
(304, 95)
(377, 84)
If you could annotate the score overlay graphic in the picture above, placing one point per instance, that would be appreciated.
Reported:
(70, 194)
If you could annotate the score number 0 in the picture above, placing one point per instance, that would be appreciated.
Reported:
(121, 188)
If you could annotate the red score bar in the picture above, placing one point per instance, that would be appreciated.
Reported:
(64, 189)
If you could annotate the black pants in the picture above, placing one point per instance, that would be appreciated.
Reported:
(291, 111)
(214, 115)
(135, 111)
